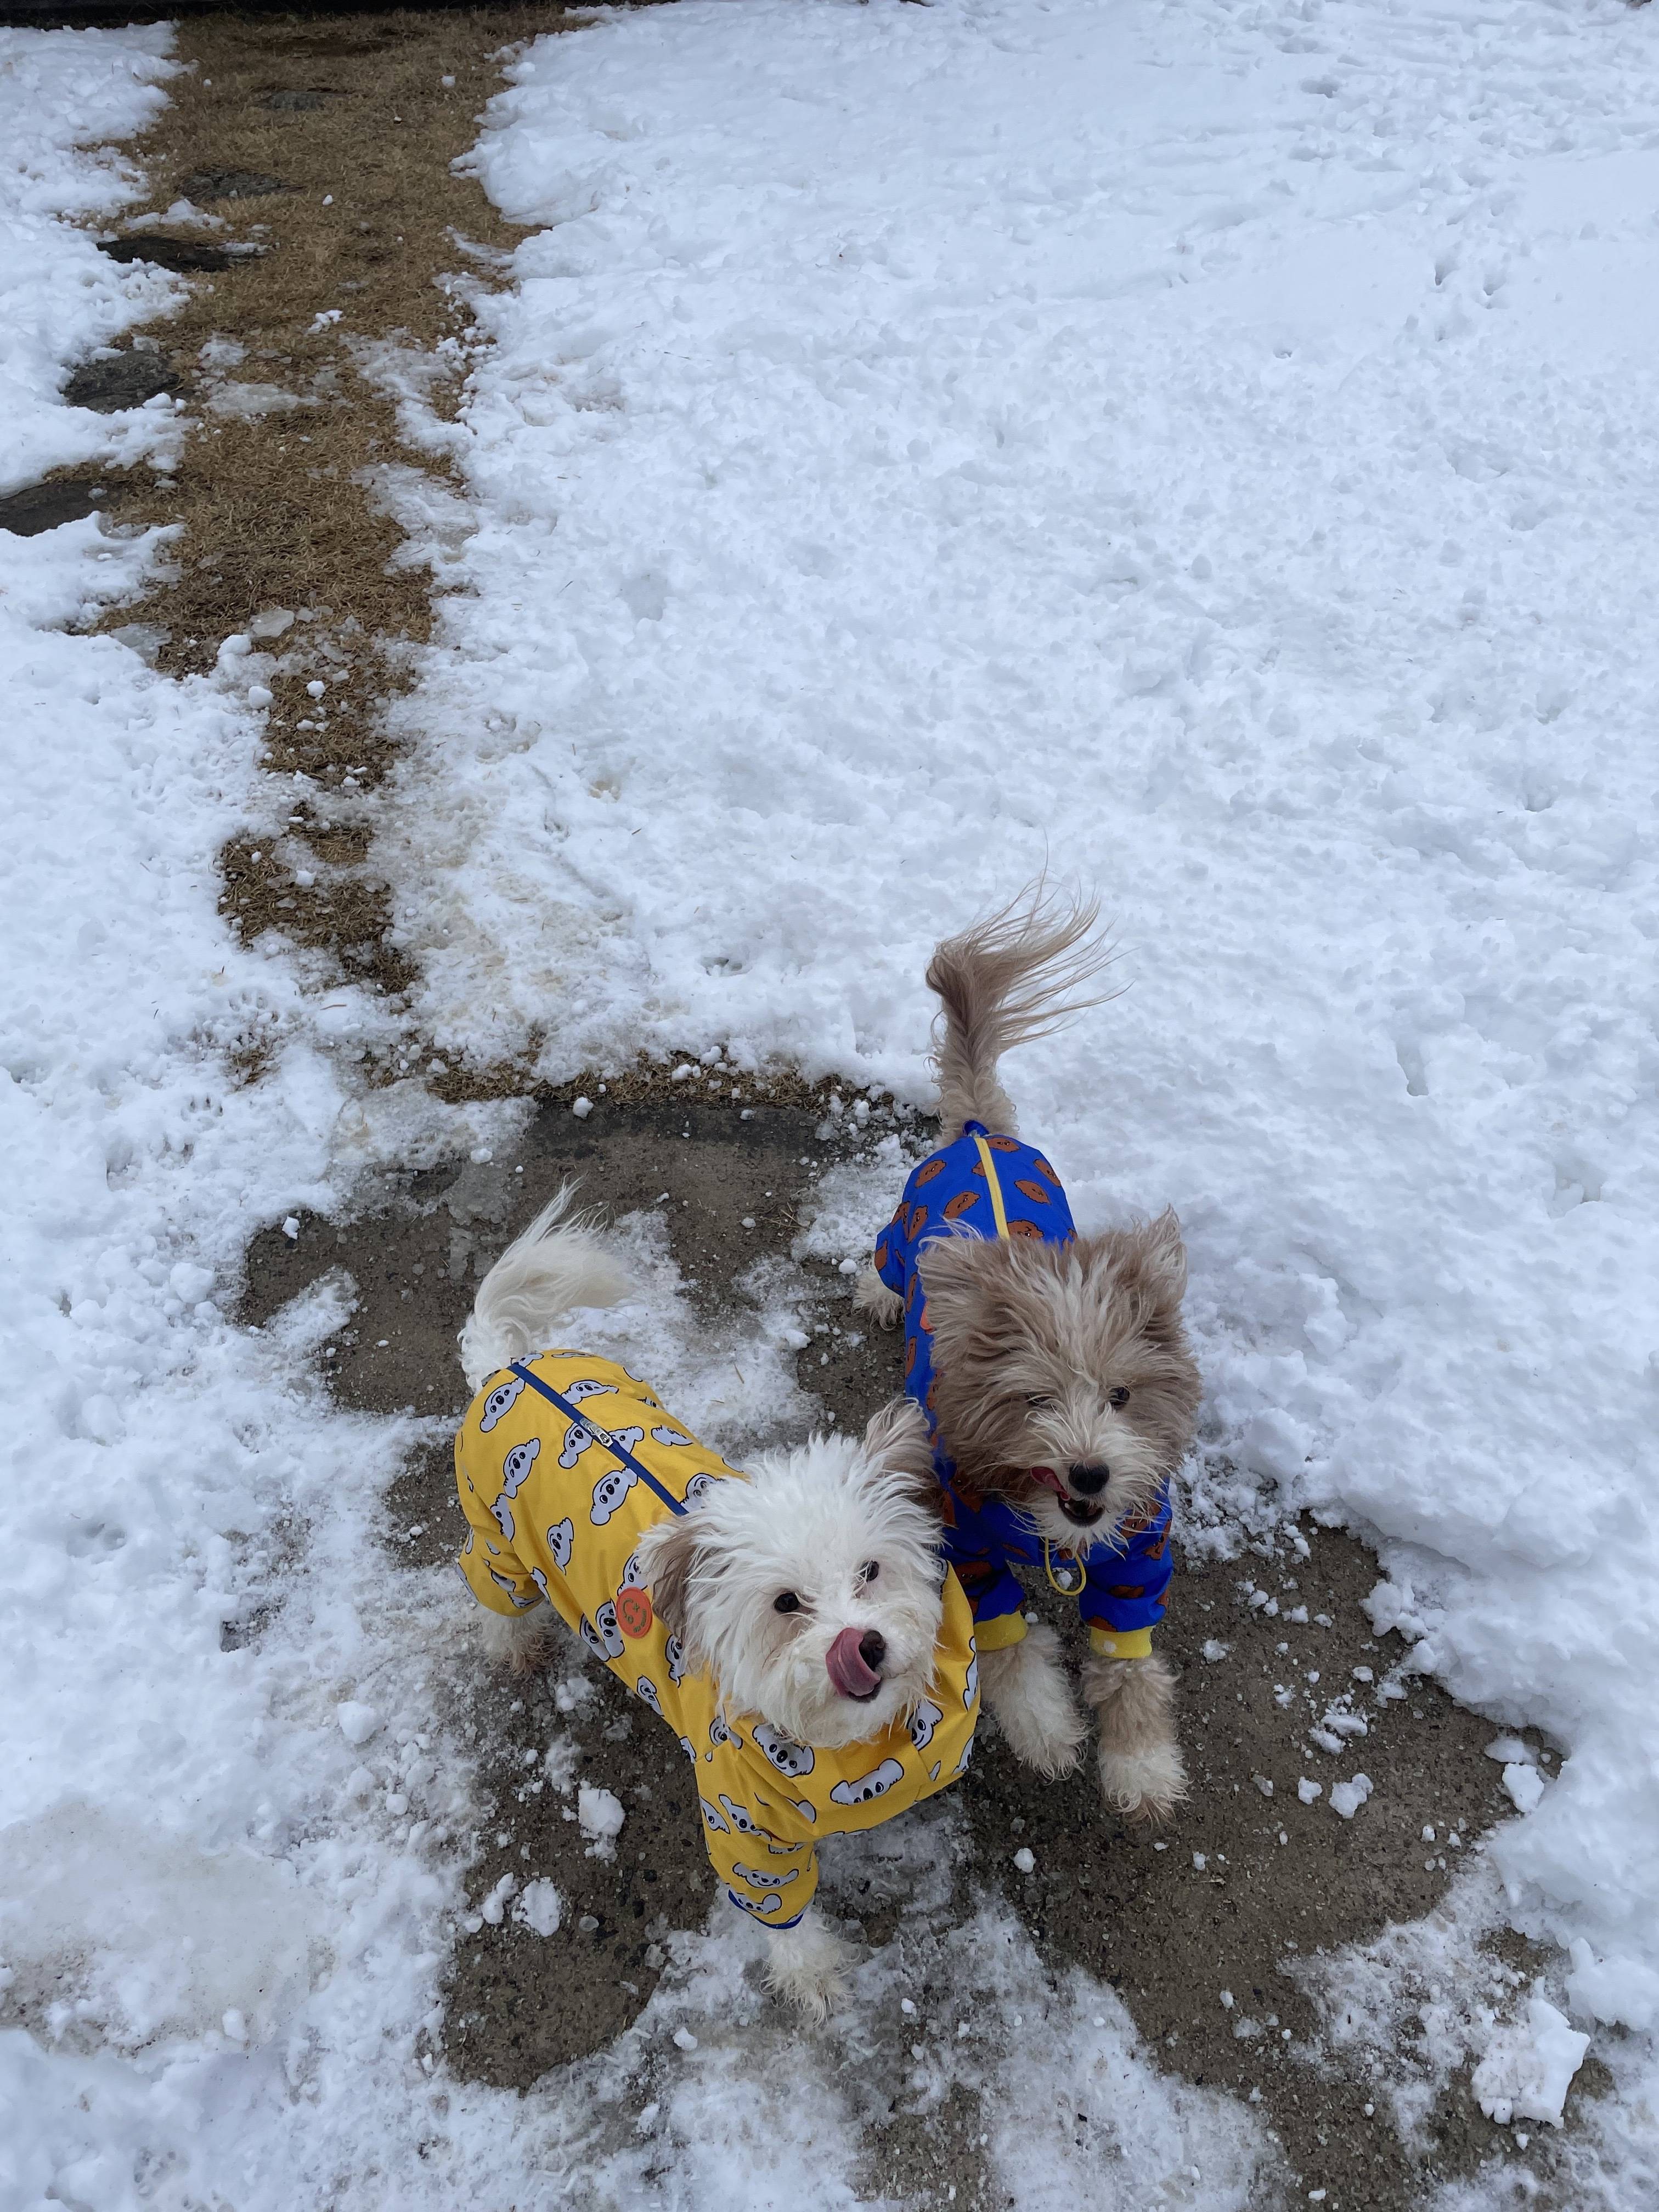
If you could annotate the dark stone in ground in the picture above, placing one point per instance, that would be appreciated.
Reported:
(1166, 1935)
(45, 506)
(230, 185)
(124, 379)
(182, 255)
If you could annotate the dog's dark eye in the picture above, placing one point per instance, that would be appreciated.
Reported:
(869, 1571)
(786, 1601)
(1118, 1397)
(1039, 1400)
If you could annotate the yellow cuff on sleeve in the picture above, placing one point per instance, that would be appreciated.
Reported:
(1122, 1643)
(997, 1635)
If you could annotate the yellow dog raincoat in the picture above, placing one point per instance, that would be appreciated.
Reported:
(562, 1463)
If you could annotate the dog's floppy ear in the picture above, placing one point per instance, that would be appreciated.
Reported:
(895, 1439)
(1164, 1257)
(1150, 1258)
(671, 1553)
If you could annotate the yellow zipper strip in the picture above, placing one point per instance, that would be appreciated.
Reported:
(996, 1188)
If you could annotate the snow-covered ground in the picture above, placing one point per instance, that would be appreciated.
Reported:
(1207, 448)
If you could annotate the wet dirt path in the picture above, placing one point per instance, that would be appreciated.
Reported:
(331, 280)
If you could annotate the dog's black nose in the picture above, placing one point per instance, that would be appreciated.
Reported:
(1089, 1482)
(873, 1650)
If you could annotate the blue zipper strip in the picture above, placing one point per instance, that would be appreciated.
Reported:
(599, 1435)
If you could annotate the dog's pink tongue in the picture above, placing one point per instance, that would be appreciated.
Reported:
(1049, 1480)
(848, 1671)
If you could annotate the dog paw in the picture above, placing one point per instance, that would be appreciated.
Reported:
(1025, 1687)
(871, 1296)
(1144, 1786)
(808, 1967)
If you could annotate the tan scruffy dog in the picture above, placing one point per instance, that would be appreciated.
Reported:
(1052, 1368)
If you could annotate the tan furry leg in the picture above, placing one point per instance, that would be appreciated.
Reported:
(1025, 1687)
(871, 1296)
(1142, 1774)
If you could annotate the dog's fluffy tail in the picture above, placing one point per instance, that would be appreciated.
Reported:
(553, 1266)
(1018, 975)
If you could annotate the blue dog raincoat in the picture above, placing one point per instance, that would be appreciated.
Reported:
(998, 1187)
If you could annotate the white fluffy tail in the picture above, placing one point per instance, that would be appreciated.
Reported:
(553, 1266)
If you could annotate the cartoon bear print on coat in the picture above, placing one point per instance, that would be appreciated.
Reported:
(760, 1906)
(757, 1879)
(501, 1583)
(610, 1492)
(601, 1634)
(577, 1440)
(766, 1800)
(516, 1466)
(499, 1404)
(587, 1386)
(789, 1757)
(515, 1472)
(876, 1783)
(925, 1719)
(743, 1821)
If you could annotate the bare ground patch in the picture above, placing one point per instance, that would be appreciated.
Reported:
(325, 148)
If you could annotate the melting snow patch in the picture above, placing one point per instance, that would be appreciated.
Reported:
(1528, 2070)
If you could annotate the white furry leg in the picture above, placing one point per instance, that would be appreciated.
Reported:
(1025, 1687)
(1142, 1774)
(518, 1641)
(808, 1965)
(871, 1296)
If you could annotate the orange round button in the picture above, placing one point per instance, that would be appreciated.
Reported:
(634, 1614)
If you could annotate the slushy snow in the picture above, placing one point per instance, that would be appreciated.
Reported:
(1526, 2073)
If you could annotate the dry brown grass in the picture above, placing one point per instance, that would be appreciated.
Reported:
(353, 118)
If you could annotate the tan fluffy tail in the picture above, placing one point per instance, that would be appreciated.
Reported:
(1018, 974)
